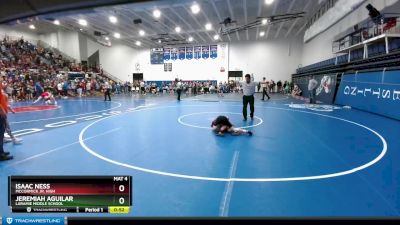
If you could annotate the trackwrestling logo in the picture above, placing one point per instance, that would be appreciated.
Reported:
(28, 221)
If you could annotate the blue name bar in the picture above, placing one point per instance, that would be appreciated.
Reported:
(32, 220)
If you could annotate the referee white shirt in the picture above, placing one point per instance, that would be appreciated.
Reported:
(249, 88)
(179, 85)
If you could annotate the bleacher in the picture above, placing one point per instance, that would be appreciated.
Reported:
(357, 56)
(365, 74)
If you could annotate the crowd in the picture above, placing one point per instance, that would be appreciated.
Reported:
(194, 87)
(27, 70)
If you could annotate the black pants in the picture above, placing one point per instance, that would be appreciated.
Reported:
(312, 96)
(248, 100)
(2, 130)
(265, 93)
(107, 93)
(179, 91)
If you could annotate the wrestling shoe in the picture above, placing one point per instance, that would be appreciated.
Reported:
(5, 157)
(7, 139)
(17, 141)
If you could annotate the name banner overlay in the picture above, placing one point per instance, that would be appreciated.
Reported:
(33, 220)
(67, 194)
(366, 93)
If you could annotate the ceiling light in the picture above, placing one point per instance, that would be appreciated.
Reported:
(208, 26)
(82, 22)
(157, 13)
(264, 21)
(32, 27)
(142, 33)
(269, 2)
(56, 22)
(81, 29)
(178, 29)
(190, 39)
(195, 8)
(107, 38)
(113, 19)
(159, 41)
(216, 37)
(138, 43)
(262, 34)
(117, 35)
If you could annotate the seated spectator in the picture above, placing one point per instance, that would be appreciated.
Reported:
(296, 91)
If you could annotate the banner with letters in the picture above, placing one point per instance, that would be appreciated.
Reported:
(376, 92)
(174, 54)
(325, 92)
(167, 54)
(213, 51)
(197, 52)
(182, 53)
(189, 53)
(205, 51)
(157, 56)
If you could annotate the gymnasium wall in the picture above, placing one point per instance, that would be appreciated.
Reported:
(194, 69)
(320, 47)
(16, 32)
(274, 59)
(65, 41)
(117, 60)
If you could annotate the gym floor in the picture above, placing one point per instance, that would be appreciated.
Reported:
(302, 160)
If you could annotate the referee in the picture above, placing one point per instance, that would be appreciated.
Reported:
(249, 88)
(107, 90)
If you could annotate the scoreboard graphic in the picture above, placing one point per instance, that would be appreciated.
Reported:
(67, 194)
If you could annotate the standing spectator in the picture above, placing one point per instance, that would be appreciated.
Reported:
(59, 88)
(88, 89)
(65, 89)
(38, 89)
(264, 86)
(312, 87)
(79, 89)
(279, 86)
(142, 88)
(3, 123)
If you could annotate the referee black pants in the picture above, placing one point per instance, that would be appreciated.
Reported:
(179, 92)
(248, 100)
(107, 93)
